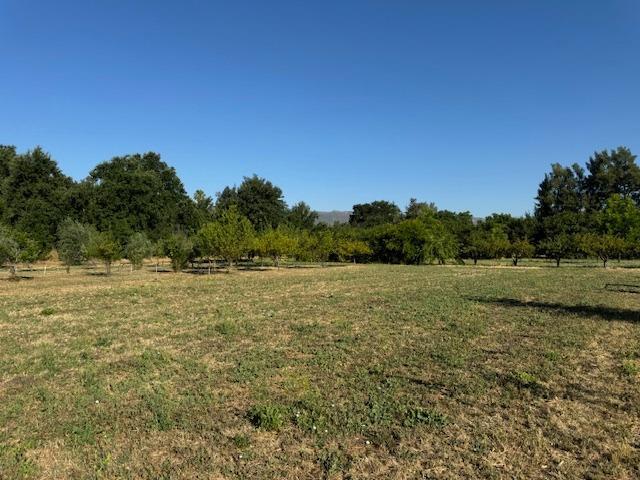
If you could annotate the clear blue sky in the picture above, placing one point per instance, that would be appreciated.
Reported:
(338, 102)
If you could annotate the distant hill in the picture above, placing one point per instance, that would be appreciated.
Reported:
(333, 216)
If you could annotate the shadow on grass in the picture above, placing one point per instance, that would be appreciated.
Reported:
(17, 278)
(622, 287)
(606, 313)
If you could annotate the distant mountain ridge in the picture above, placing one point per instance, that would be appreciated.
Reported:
(334, 216)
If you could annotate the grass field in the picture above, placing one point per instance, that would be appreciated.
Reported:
(339, 372)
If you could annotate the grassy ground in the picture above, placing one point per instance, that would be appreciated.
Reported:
(341, 372)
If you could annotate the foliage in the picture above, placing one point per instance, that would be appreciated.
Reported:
(559, 247)
(258, 200)
(138, 248)
(301, 217)
(139, 193)
(178, 247)
(33, 192)
(230, 236)
(351, 249)
(604, 246)
(104, 247)
(375, 213)
(275, 243)
(73, 242)
(315, 246)
(521, 249)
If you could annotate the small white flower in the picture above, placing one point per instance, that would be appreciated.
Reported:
(368, 442)
(314, 427)
(97, 401)
(240, 456)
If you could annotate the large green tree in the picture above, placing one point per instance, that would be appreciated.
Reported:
(610, 173)
(301, 216)
(140, 193)
(376, 213)
(33, 194)
(257, 199)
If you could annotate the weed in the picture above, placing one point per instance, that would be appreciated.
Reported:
(267, 417)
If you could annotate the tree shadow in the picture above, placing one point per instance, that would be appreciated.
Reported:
(605, 313)
(622, 287)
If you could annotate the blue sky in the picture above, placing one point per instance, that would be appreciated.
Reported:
(464, 104)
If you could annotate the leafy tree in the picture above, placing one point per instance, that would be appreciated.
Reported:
(521, 249)
(138, 248)
(301, 216)
(560, 191)
(603, 246)
(104, 247)
(230, 236)
(275, 243)
(375, 213)
(9, 251)
(477, 245)
(204, 207)
(315, 246)
(413, 242)
(620, 217)
(559, 247)
(73, 242)
(416, 209)
(33, 194)
(139, 193)
(256, 199)
(612, 172)
(352, 249)
(459, 224)
(15, 248)
(178, 247)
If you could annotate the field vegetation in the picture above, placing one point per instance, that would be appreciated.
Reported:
(356, 371)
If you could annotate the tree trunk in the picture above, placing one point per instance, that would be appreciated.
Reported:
(515, 261)
(475, 261)
(557, 262)
(68, 269)
(107, 267)
(604, 262)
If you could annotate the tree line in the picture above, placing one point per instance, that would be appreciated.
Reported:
(136, 207)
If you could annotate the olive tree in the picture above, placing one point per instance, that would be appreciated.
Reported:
(73, 242)
(138, 248)
(15, 248)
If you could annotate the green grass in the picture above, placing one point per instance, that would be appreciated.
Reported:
(341, 372)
